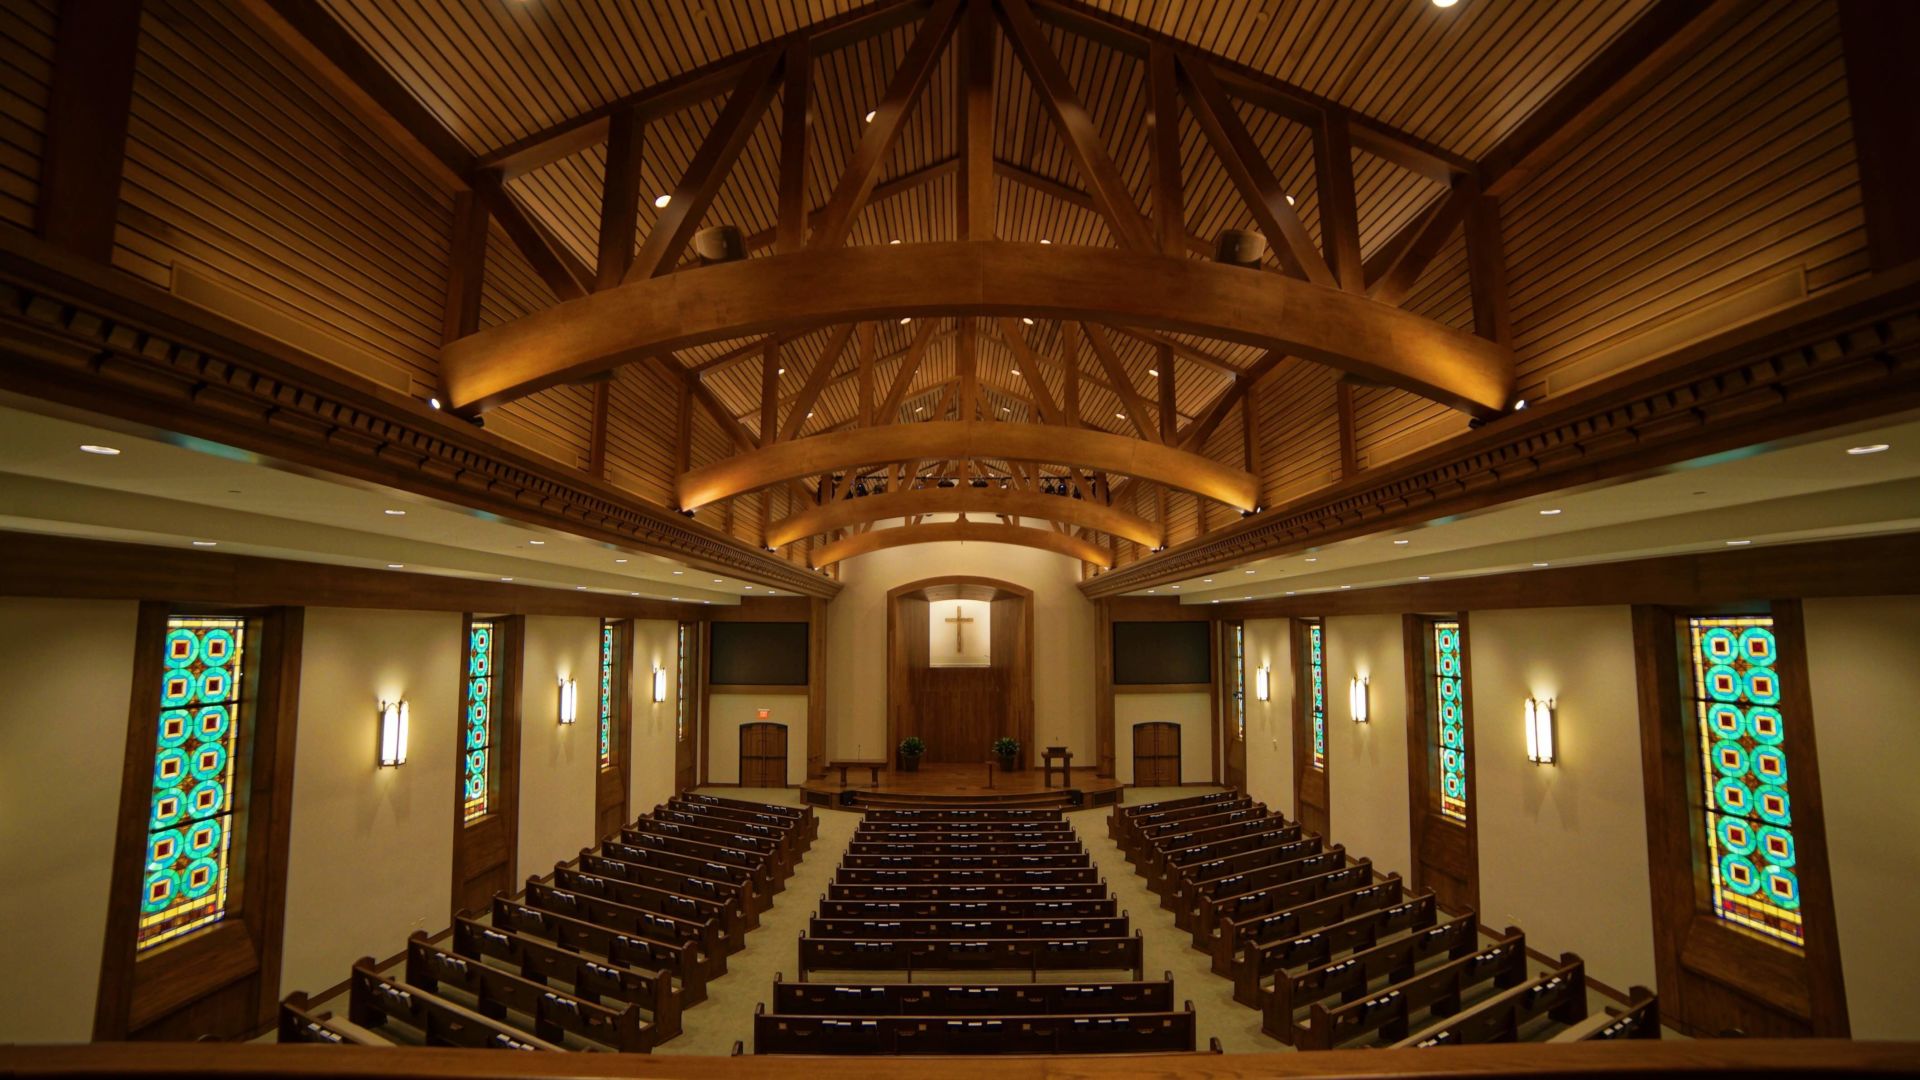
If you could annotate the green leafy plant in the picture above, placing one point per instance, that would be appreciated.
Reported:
(911, 746)
(1006, 746)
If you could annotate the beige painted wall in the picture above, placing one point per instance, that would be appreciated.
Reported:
(1368, 762)
(63, 728)
(1270, 723)
(557, 761)
(650, 780)
(857, 642)
(371, 849)
(1860, 658)
(1194, 714)
(1563, 848)
(727, 712)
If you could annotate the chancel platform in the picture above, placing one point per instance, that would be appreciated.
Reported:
(962, 785)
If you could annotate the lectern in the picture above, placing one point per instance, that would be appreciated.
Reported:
(1052, 758)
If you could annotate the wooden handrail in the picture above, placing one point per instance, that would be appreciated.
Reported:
(1822, 1057)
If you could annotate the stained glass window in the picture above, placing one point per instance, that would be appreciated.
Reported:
(1240, 680)
(190, 825)
(1747, 816)
(1317, 707)
(479, 718)
(680, 687)
(1451, 720)
(606, 695)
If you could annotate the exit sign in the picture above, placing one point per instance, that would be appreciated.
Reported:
(762, 714)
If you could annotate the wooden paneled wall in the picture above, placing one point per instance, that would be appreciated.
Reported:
(26, 80)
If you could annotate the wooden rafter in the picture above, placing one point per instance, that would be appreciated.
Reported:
(863, 169)
(466, 267)
(678, 221)
(1180, 348)
(556, 264)
(1030, 371)
(790, 232)
(620, 198)
(823, 365)
(86, 125)
(1130, 398)
(1398, 263)
(902, 379)
(1169, 196)
(899, 185)
(1339, 209)
(866, 361)
(1081, 135)
(975, 196)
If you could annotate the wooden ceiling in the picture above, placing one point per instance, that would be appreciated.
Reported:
(497, 72)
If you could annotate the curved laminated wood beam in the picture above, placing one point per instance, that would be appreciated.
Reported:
(937, 440)
(966, 500)
(790, 294)
(977, 531)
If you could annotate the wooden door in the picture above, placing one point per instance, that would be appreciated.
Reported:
(486, 785)
(763, 755)
(1156, 754)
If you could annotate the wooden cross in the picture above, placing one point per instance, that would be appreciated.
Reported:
(958, 629)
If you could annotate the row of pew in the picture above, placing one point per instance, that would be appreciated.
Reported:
(1334, 954)
(604, 953)
(924, 902)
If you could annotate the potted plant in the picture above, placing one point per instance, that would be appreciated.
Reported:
(910, 750)
(1007, 749)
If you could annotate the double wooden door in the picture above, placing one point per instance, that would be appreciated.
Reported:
(763, 755)
(1156, 754)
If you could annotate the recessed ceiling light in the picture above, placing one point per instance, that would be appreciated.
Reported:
(717, 581)
(1004, 409)
(1044, 240)
(619, 560)
(1444, 3)
(892, 242)
(205, 543)
(579, 586)
(660, 201)
(1738, 543)
(1155, 372)
(1856, 451)
(1346, 586)
(782, 371)
(871, 113)
(1213, 601)
(677, 573)
(1121, 415)
(506, 579)
(1016, 371)
(1539, 564)
(1206, 581)
(1027, 320)
(746, 586)
(905, 319)
(1313, 558)
(394, 513)
(1403, 542)
(434, 401)
(1289, 592)
(1521, 404)
(1150, 592)
(673, 598)
(1175, 587)
(1246, 598)
(706, 601)
(103, 451)
(1424, 577)
(537, 543)
(1548, 513)
(633, 594)
(1253, 571)
(396, 566)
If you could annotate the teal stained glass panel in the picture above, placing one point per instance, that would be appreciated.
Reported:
(1450, 691)
(479, 724)
(190, 822)
(1746, 811)
(1316, 661)
(606, 695)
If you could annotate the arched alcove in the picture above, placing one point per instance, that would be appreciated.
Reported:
(960, 711)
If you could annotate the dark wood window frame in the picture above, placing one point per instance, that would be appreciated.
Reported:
(1446, 852)
(612, 781)
(1312, 787)
(1230, 730)
(491, 840)
(1714, 977)
(224, 980)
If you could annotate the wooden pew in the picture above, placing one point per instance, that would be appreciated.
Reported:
(766, 850)
(1639, 1020)
(1560, 994)
(935, 999)
(1121, 821)
(1203, 830)
(1293, 910)
(591, 978)
(1202, 879)
(373, 1000)
(1045, 1034)
(701, 937)
(300, 1024)
(681, 961)
(1352, 976)
(736, 897)
(758, 868)
(1149, 833)
(730, 921)
(1104, 907)
(962, 830)
(1161, 868)
(924, 848)
(1242, 896)
(984, 954)
(1057, 875)
(1095, 890)
(1439, 991)
(972, 816)
(964, 862)
(802, 816)
(1322, 944)
(798, 833)
(691, 865)
(922, 929)
(784, 837)
(555, 1013)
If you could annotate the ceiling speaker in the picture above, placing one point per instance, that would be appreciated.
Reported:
(722, 243)
(1239, 247)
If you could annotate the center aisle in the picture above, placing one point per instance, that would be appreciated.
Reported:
(1167, 948)
(713, 1026)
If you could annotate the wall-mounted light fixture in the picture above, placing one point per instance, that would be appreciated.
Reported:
(569, 701)
(659, 684)
(1263, 682)
(1357, 698)
(1540, 731)
(393, 734)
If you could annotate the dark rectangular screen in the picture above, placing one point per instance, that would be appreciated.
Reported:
(1157, 653)
(759, 654)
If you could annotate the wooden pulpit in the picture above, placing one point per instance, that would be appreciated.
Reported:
(1052, 758)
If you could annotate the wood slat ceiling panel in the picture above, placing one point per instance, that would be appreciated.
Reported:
(241, 167)
(26, 78)
(1226, 445)
(643, 415)
(1298, 429)
(1737, 166)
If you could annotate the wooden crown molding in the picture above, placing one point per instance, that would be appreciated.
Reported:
(1846, 356)
(91, 338)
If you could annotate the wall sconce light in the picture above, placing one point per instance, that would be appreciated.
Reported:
(1263, 682)
(1357, 698)
(569, 702)
(659, 684)
(1540, 731)
(393, 734)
